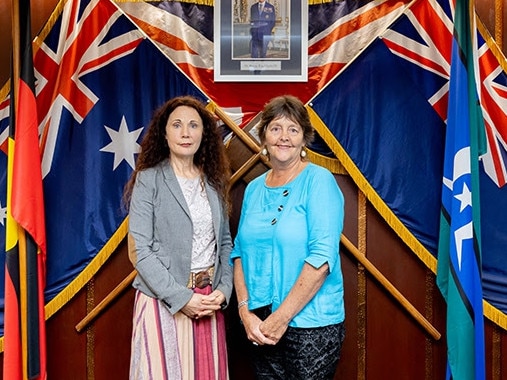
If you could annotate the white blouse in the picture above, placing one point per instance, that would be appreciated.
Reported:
(203, 239)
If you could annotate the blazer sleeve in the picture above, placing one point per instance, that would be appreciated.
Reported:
(225, 247)
(154, 277)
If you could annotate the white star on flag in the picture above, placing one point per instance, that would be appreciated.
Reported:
(123, 144)
(465, 197)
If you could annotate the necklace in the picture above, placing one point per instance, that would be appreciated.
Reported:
(290, 178)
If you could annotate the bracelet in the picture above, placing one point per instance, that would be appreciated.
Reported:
(243, 303)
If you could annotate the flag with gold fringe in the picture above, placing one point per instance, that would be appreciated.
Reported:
(24, 329)
(98, 82)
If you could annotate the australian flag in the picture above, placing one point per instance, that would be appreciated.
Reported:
(98, 83)
(400, 83)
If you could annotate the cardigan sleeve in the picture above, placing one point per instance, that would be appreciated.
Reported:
(325, 205)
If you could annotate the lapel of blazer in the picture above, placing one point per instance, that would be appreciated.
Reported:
(174, 187)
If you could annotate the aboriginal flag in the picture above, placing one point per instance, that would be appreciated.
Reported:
(24, 333)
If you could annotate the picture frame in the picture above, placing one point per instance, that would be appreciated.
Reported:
(239, 56)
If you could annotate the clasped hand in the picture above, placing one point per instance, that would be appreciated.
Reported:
(269, 331)
(201, 305)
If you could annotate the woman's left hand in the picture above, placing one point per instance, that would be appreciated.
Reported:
(213, 301)
(203, 305)
(308, 283)
(273, 327)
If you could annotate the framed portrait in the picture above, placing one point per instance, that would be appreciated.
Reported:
(261, 40)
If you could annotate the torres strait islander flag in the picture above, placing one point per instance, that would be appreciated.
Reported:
(459, 269)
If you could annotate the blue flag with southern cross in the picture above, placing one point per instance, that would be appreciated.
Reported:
(99, 80)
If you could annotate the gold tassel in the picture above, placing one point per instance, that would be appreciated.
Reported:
(370, 193)
(4, 92)
(492, 44)
(495, 315)
(315, 2)
(87, 274)
(392, 220)
(332, 164)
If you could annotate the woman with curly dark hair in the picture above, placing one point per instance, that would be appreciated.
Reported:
(179, 243)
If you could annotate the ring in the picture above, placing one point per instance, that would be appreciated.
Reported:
(255, 343)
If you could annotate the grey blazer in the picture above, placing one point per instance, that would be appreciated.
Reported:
(160, 238)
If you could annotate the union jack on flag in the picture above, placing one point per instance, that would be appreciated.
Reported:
(337, 33)
(405, 73)
(428, 46)
(423, 41)
(63, 62)
(98, 82)
(494, 108)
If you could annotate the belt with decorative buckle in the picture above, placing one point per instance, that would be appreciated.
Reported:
(201, 279)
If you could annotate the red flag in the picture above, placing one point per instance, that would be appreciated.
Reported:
(24, 328)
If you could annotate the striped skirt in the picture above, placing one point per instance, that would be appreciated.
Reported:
(167, 347)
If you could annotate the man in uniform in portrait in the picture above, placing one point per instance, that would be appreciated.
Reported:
(262, 22)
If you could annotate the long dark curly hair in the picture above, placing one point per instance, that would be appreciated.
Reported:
(210, 157)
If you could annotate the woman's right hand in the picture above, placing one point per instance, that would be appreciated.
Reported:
(251, 322)
(194, 308)
(249, 319)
